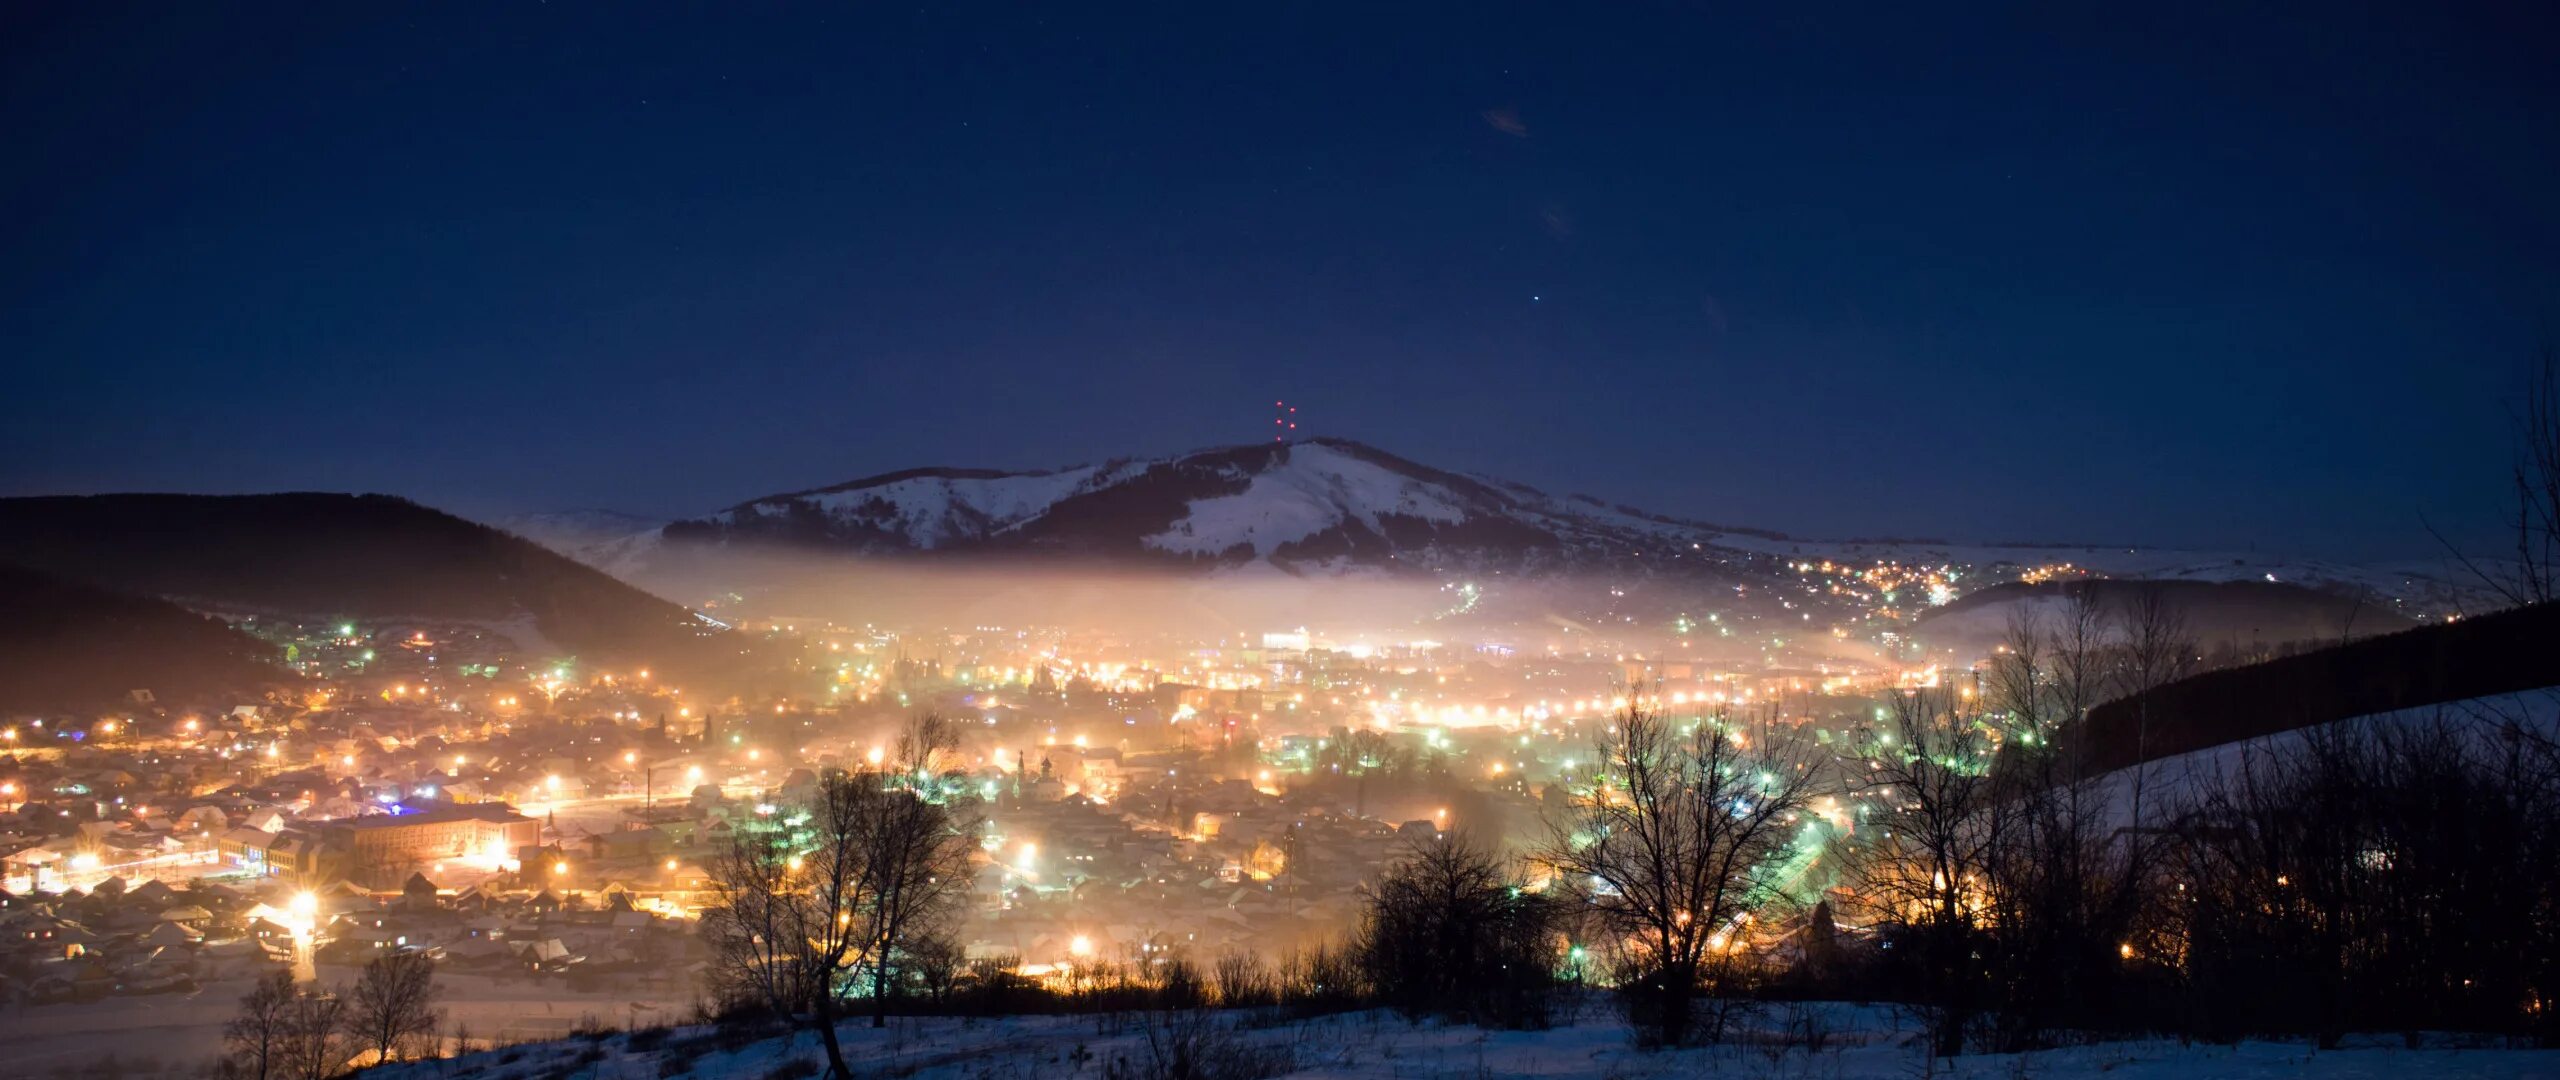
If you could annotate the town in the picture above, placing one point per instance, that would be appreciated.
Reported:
(434, 789)
(1243, 542)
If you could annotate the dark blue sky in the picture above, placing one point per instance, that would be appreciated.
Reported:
(2113, 272)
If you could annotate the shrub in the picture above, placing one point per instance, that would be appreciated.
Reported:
(1243, 981)
(1448, 934)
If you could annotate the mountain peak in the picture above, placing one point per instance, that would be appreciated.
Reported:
(1318, 502)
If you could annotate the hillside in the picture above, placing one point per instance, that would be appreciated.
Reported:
(2479, 657)
(350, 556)
(66, 645)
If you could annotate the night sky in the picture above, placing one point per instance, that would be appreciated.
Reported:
(2114, 273)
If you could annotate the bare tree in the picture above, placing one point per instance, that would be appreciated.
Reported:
(2020, 678)
(758, 926)
(1242, 980)
(1935, 829)
(2535, 515)
(936, 960)
(259, 1036)
(1448, 932)
(2078, 655)
(1358, 752)
(2069, 891)
(393, 1004)
(836, 892)
(313, 1049)
(928, 744)
(2064, 887)
(2050, 669)
(2158, 650)
(2537, 482)
(1686, 832)
(912, 870)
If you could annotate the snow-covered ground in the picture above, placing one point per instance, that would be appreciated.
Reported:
(1865, 1042)
(935, 511)
(2172, 781)
(177, 1034)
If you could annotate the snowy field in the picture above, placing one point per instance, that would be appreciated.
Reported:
(178, 1034)
(1864, 1042)
(2172, 781)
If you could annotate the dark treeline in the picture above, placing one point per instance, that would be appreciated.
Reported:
(2394, 877)
(2498, 653)
(2388, 875)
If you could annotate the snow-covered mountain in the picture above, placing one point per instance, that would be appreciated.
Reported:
(1337, 507)
(1311, 506)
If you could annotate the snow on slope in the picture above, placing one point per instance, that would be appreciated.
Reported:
(939, 509)
(1867, 1043)
(2480, 722)
(1315, 488)
(1333, 506)
(1317, 503)
(609, 540)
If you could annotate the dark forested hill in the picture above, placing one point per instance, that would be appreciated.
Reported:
(334, 556)
(66, 645)
(2499, 653)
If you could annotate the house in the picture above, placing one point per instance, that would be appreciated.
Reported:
(206, 818)
(169, 935)
(188, 915)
